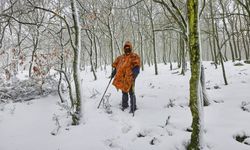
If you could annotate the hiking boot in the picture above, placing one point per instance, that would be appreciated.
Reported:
(131, 111)
(124, 101)
(123, 108)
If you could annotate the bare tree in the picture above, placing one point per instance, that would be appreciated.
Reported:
(195, 85)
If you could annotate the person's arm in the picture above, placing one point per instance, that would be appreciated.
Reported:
(136, 66)
(116, 62)
(113, 73)
(114, 65)
(135, 71)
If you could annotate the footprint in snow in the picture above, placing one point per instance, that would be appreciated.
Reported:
(154, 141)
(243, 82)
(1, 107)
(144, 133)
(242, 137)
(245, 106)
(125, 129)
(113, 117)
(123, 119)
(218, 101)
(112, 143)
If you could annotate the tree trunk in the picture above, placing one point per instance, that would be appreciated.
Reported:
(226, 29)
(141, 51)
(233, 38)
(164, 55)
(100, 52)
(111, 42)
(225, 49)
(242, 35)
(247, 43)
(61, 65)
(211, 48)
(141, 39)
(19, 48)
(91, 38)
(213, 31)
(183, 56)
(220, 55)
(195, 85)
(96, 54)
(238, 36)
(77, 114)
(170, 51)
(35, 45)
(150, 12)
(154, 49)
(178, 56)
(203, 86)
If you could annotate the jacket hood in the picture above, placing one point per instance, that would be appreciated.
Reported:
(127, 44)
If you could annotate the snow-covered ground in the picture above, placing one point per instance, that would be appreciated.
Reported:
(31, 125)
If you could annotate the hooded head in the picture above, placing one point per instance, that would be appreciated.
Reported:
(127, 47)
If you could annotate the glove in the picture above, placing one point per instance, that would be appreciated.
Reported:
(135, 71)
(113, 73)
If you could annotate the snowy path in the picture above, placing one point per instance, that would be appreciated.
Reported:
(28, 126)
(25, 125)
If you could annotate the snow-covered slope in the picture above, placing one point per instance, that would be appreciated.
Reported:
(160, 99)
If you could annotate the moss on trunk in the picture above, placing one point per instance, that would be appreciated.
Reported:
(194, 51)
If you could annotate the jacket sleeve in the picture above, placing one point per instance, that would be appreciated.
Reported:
(116, 62)
(136, 71)
(136, 65)
(136, 61)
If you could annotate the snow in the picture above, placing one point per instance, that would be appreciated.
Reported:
(29, 125)
(27, 89)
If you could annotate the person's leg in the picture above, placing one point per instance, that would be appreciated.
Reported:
(124, 100)
(133, 106)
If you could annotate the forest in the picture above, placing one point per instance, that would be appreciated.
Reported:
(58, 55)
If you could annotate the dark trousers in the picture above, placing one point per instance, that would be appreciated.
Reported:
(132, 99)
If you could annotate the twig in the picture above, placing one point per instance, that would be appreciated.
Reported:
(55, 118)
(69, 86)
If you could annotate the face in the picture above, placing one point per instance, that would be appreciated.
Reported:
(127, 49)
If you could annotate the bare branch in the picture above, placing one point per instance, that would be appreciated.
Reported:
(132, 5)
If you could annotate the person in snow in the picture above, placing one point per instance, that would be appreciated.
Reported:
(126, 68)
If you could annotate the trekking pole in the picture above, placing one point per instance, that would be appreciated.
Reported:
(133, 101)
(133, 106)
(105, 92)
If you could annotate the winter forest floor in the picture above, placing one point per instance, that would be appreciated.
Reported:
(43, 124)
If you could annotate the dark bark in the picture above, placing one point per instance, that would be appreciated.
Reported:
(77, 111)
(226, 29)
(220, 55)
(213, 33)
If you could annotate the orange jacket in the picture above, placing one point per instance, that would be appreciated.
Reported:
(124, 76)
